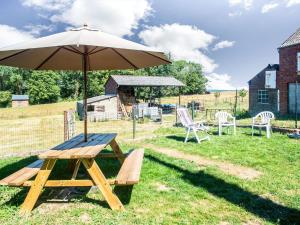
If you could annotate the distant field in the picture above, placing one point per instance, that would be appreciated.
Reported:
(36, 110)
(225, 100)
(40, 127)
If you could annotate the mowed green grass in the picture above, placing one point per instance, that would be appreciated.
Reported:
(174, 191)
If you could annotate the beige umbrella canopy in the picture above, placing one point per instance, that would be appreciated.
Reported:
(83, 49)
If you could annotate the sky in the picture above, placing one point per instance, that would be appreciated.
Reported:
(232, 39)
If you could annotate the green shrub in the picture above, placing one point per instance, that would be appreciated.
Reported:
(242, 114)
(5, 98)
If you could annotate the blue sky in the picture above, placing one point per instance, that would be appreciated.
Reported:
(232, 39)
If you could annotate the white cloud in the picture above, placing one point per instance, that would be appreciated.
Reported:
(50, 5)
(11, 35)
(37, 29)
(245, 4)
(290, 3)
(268, 7)
(235, 2)
(182, 41)
(113, 16)
(219, 82)
(234, 14)
(223, 44)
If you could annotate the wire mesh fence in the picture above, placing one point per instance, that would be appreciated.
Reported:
(30, 134)
(35, 134)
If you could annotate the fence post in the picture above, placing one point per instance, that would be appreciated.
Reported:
(65, 125)
(176, 115)
(133, 121)
(69, 124)
(235, 102)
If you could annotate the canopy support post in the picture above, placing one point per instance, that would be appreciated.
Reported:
(85, 58)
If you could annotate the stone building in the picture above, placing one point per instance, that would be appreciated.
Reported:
(274, 88)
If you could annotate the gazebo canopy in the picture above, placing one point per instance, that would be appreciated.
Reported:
(146, 81)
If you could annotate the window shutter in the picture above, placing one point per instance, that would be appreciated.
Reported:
(270, 79)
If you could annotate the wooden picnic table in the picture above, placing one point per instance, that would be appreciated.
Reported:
(85, 153)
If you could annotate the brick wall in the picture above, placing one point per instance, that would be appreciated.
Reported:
(287, 73)
(258, 83)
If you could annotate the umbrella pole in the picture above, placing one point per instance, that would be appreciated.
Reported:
(85, 95)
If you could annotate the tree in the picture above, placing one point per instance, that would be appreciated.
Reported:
(217, 96)
(187, 72)
(70, 84)
(43, 87)
(5, 98)
(96, 81)
(243, 94)
(16, 83)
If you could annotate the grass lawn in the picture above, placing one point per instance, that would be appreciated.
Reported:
(176, 191)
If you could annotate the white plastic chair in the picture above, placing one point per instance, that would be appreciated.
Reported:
(190, 125)
(225, 119)
(263, 119)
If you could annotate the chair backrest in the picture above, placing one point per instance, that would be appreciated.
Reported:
(222, 116)
(265, 116)
(184, 117)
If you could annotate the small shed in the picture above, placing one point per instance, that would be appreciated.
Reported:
(19, 101)
(99, 108)
(120, 96)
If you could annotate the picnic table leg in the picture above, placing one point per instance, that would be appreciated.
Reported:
(75, 172)
(37, 186)
(101, 182)
(117, 150)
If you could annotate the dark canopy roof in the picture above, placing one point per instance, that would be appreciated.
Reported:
(145, 81)
(294, 39)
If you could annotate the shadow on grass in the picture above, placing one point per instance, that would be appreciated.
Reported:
(261, 207)
(181, 139)
(109, 167)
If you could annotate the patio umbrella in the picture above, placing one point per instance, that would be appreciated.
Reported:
(83, 49)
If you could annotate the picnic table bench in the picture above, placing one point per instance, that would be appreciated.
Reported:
(85, 153)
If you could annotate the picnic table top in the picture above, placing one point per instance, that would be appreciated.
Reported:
(77, 148)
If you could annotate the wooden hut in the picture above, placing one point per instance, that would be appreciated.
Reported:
(120, 95)
(124, 87)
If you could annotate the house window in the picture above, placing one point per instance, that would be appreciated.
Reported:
(90, 108)
(298, 63)
(263, 96)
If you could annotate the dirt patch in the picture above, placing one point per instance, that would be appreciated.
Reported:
(162, 187)
(252, 222)
(85, 218)
(58, 199)
(242, 172)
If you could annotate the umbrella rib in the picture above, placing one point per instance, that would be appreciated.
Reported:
(76, 50)
(157, 57)
(17, 53)
(127, 60)
(71, 50)
(100, 50)
(93, 50)
(47, 59)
